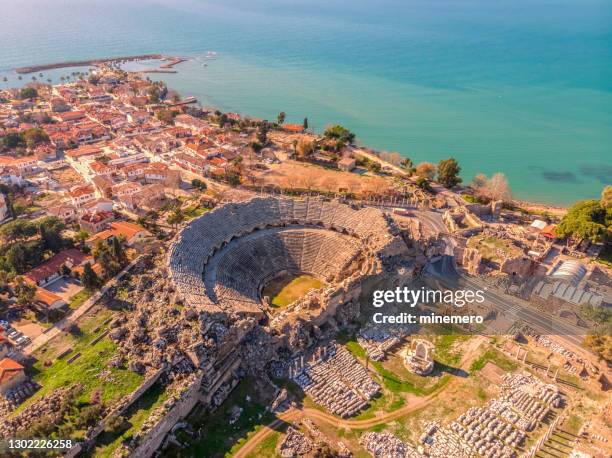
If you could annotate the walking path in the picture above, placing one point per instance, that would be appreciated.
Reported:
(64, 324)
(294, 414)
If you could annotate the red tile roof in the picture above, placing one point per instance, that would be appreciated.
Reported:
(9, 369)
(53, 265)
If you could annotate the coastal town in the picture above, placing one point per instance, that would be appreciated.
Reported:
(180, 281)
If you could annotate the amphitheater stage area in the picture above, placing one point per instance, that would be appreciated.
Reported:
(289, 288)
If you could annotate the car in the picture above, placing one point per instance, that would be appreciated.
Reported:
(5, 324)
(13, 334)
(23, 340)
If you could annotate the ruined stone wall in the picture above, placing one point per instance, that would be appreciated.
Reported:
(521, 266)
(155, 436)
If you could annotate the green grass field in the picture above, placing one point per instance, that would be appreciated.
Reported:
(135, 416)
(51, 372)
(284, 291)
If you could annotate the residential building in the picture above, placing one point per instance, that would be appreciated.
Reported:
(11, 375)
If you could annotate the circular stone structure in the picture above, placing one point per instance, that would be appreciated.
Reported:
(221, 261)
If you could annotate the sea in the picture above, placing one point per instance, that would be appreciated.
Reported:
(522, 87)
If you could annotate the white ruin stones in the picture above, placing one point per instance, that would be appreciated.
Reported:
(337, 381)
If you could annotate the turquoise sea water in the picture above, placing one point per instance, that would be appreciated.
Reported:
(522, 87)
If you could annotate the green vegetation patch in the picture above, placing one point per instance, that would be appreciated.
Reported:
(52, 372)
(496, 357)
(131, 422)
(287, 290)
(79, 299)
(219, 438)
(267, 447)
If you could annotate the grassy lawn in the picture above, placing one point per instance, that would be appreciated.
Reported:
(108, 442)
(79, 298)
(396, 379)
(52, 372)
(288, 290)
(86, 371)
(194, 211)
(267, 448)
(496, 357)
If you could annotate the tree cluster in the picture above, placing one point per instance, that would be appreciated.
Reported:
(448, 172)
(339, 133)
(27, 243)
(26, 138)
(111, 257)
(587, 219)
(28, 93)
(494, 188)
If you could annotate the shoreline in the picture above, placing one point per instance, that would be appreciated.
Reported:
(172, 61)
(83, 63)
(530, 206)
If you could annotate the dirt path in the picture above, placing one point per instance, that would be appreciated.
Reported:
(294, 414)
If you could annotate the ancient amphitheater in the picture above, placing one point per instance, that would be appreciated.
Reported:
(222, 261)
(218, 328)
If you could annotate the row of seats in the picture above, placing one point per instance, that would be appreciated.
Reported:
(204, 236)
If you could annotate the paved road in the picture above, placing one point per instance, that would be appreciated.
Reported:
(444, 273)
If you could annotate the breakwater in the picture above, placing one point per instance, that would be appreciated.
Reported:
(82, 63)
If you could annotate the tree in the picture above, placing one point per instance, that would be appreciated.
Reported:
(281, 117)
(25, 292)
(448, 172)
(304, 148)
(479, 181)
(495, 188)
(176, 217)
(374, 166)
(153, 94)
(102, 254)
(423, 183)
(406, 163)
(50, 229)
(34, 136)
(81, 236)
(601, 344)
(262, 133)
(198, 184)
(115, 424)
(586, 219)
(256, 146)
(17, 229)
(498, 188)
(340, 133)
(89, 278)
(305, 124)
(118, 251)
(166, 116)
(426, 170)
(28, 93)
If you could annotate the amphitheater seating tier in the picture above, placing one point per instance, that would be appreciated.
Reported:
(222, 258)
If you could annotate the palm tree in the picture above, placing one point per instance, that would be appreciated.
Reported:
(19, 78)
